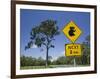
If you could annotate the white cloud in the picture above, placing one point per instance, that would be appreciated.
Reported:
(63, 53)
(60, 54)
(34, 46)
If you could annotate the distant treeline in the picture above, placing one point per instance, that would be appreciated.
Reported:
(62, 60)
(84, 59)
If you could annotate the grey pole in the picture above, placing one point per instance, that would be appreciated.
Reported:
(74, 62)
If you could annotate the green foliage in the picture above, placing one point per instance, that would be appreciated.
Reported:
(30, 61)
(69, 60)
(27, 61)
(40, 62)
(61, 60)
(85, 58)
(43, 34)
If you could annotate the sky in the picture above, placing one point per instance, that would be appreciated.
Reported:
(30, 18)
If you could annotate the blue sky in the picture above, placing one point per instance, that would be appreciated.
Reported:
(30, 18)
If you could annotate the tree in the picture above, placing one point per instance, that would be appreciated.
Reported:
(86, 50)
(40, 61)
(44, 34)
(61, 60)
(23, 60)
(49, 59)
(27, 61)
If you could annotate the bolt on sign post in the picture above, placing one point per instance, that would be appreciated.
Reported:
(72, 31)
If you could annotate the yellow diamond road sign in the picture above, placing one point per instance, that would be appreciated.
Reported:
(72, 50)
(72, 31)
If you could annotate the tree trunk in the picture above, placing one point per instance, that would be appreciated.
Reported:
(46, 56)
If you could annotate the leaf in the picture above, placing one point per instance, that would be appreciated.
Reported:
(26, 47)
(42, 39)
(29, 45)
(52, 46)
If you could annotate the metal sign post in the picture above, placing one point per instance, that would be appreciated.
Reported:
(74, 62)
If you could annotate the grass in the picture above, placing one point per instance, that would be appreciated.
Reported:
(33, 67)
(50, 66)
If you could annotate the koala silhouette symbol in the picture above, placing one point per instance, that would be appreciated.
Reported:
(71, 31)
